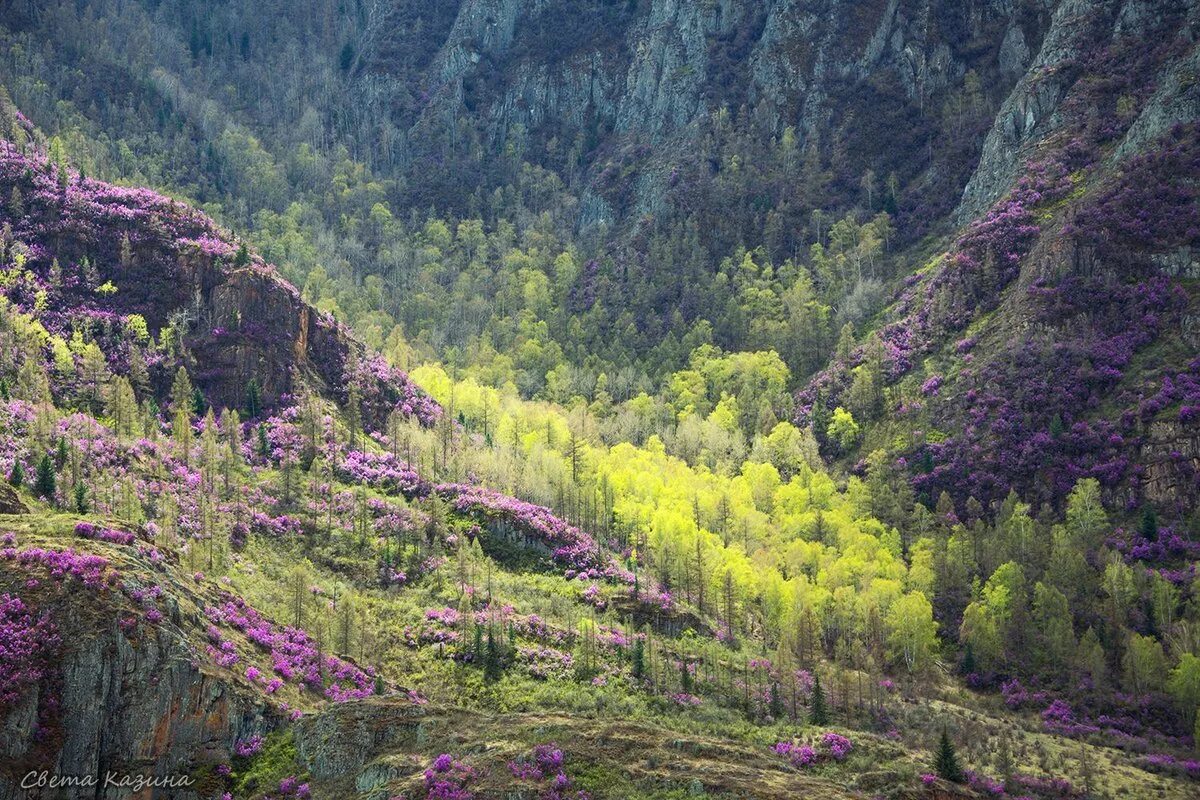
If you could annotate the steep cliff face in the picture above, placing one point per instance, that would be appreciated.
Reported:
(522, 73)
(120, 695)
(1080, 31)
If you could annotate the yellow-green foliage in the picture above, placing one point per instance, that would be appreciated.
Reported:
(788, 546)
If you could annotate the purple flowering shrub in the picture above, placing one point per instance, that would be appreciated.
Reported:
(830, 747)
(381, 471)
(382, 389)
(27, 644)
(545, 766)
(91, 570)
(294, 655)
(88, 530)
(1029, 416)
(290, 787)
(568, 545)
(447, 778)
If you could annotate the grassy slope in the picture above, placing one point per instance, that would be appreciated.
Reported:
(618, 742)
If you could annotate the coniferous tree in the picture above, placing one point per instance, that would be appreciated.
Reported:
(81, 498)
(945, 762)
(242, 257)
(17, 476)
(968, 660)
(44, 483)
(491, 659)
(1149, 525)
(638, 666)
(817, 713)
(776, 705)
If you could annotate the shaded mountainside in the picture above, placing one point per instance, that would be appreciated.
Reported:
(1053, 340)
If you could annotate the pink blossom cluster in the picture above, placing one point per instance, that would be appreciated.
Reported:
(448, 778)
(290, 787)
(833, 746)
(546, 662)
(294, 655)
(27, 642)
(382, 389)
(381, 471)
(89, 530)
(546, 763)
(91, 570)
(569, 545)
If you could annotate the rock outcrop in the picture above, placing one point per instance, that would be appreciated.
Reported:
(126, 702)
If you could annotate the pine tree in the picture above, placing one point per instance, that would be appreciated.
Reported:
(181, 408)
(945, 763)
(44, 484)
(776, 702)
(1149, 526)
(685, 677)
(81, 499)
(817, 713)
(491, 659)
(17, 476)
(242, 257)
(639, 659)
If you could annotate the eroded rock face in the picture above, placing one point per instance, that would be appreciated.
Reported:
(257, 327)
(10, 501)
(1078, 29)
(646, 73)
(1171, 458)
(127, 703)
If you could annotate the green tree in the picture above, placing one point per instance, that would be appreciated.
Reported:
(1144, 663)
(843, 430)
(45, 481)
(81, 498)
(1184, 685)
(491, 659)
(912, 636)
(17, 475)
(945, 762)
(817, 713)
(242, 257)
(253, 399)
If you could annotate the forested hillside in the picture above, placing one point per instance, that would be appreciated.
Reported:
(600, 399)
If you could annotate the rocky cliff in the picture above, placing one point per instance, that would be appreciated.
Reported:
(521, 73)
(122, 693)
(95, 259)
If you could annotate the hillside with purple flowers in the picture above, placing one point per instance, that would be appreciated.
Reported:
(582, 400)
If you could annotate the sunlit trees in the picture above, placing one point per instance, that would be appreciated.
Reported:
(912, 639)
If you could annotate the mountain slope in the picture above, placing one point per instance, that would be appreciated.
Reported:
(1043, 346)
